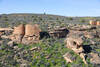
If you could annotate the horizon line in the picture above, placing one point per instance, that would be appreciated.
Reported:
(46, 14)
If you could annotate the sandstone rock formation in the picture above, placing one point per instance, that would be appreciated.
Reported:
(86, 31)
(20, 30)
(75, 43)
(18, 33)
(32, 34)
(26, 34)
(59, 32)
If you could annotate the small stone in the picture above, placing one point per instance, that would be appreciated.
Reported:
(10, 43)
(95, 58)
(35, 48)
(68, 57)
(15, 47)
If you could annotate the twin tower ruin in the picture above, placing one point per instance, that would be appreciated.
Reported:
(26, 34)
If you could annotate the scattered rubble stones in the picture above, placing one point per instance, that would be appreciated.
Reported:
(5, 31)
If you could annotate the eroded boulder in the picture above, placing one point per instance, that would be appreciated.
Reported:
(75, 43)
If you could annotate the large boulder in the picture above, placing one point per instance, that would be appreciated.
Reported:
(74, 42)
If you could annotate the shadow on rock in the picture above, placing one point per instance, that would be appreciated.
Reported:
(44, 34)
(87, 48)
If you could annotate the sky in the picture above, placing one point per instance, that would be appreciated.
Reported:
(56, 7)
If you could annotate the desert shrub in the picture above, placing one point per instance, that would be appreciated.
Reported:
(82, 20)
(70, 18)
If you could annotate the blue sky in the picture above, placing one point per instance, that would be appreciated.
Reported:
(58, 7)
